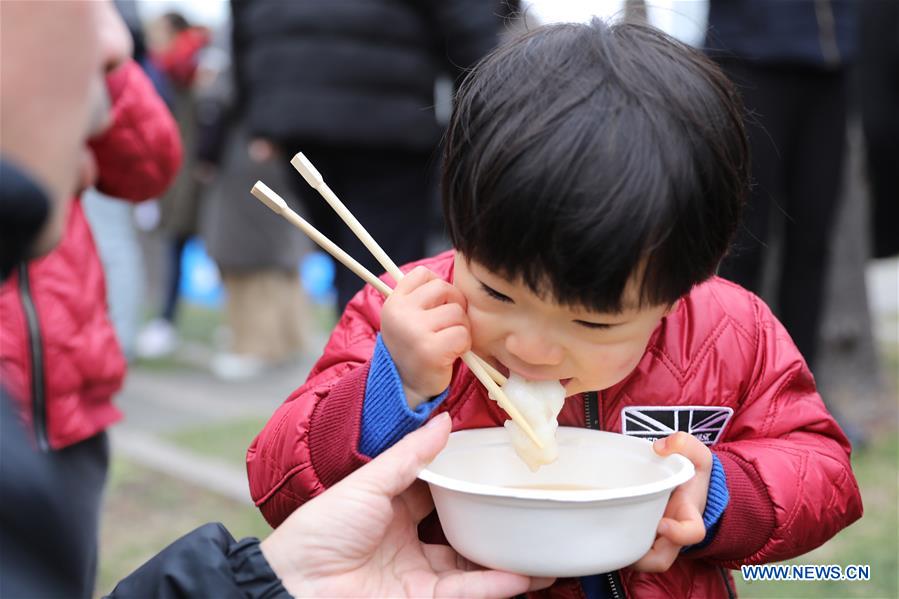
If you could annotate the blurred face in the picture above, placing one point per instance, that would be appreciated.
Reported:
(160, 35)
(517, 331)
(53, 61)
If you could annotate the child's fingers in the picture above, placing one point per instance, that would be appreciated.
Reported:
(445, 316)
(683, 532)
(453, 341)
(659, 558)
(436, 292)
(414, 279)
(688, 446)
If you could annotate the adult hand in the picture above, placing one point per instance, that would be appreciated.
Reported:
(681, 524)
(360, 538)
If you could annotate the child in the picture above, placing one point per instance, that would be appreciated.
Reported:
(593, 179)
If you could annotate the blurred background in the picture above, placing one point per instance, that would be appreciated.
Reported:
(221, 307)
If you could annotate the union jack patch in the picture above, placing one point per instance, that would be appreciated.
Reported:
(654, 422)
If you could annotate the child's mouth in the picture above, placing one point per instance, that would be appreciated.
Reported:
(506, 372)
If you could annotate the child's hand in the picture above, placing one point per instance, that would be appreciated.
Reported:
(681, 524)
(425, 327)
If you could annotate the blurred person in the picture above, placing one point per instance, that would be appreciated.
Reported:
(52, 99)
(790, 62)
(351, 84)
(878, 71)
(257, 252)
(60, 356)
(112, 221)
(174, 46)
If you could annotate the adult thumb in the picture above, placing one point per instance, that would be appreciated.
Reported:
(396, 469)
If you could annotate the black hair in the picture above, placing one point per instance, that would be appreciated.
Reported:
(176, 21)
(581, 154)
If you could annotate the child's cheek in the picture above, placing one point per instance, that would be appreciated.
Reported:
(482, 327)
(623, 361)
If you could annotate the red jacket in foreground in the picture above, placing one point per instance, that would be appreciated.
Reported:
(719, 356)
(56, 317)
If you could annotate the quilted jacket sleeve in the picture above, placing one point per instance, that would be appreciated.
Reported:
(312, 440)
(790, 481)
(140, 154)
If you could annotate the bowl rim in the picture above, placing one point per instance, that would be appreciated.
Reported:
(684, 471)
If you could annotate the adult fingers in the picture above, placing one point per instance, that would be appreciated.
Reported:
(443, 558)
(418, 501)
(481, 584)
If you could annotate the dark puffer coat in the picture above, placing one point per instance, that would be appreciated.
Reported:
(354, 72)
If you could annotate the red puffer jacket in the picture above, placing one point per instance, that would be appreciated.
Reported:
(59, 355)
(719, 366)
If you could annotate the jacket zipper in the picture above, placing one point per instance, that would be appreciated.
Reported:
(38, 391)
(827, 32)
(593, 420)
(617, 593)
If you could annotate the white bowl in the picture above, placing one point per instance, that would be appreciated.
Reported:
(611, 491)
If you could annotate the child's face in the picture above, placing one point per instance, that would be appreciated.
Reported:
(517, 331)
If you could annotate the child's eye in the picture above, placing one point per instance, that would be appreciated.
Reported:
(496, 294)
(593, 325)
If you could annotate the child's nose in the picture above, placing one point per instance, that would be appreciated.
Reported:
(534, 348)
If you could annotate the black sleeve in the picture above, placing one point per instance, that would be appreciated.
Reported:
(207, 562)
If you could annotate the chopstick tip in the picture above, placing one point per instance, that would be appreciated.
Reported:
(305, 168)
(264, 194)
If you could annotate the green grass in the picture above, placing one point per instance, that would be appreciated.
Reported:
(145, 511)
(226, 441)
(873, 540)
(199, 324)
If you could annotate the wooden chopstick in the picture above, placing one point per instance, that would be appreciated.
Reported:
(492, 372)
(277, 204)
(317, 182)
(477, 365)
(271, 199)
